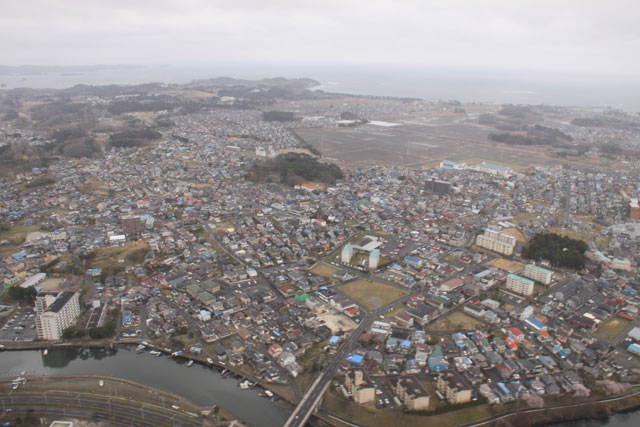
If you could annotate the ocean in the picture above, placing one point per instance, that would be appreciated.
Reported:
(496, 87)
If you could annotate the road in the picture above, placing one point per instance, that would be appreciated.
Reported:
(82, 406)
(303, 411)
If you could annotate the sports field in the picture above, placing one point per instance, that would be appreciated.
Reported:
(371, 294)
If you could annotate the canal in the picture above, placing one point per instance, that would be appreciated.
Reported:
(199, 384)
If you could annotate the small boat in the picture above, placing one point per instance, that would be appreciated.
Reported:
(45, 352)
(209, 361)
(177, 353)
(140, 348)
(269, 393)
(15, 386)
(155, 353)
(244, 385)
(101, 383)
(190, 362)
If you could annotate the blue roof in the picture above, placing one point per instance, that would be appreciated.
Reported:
(355, 359)
(536, 323)
(334, 339)
(405, 343)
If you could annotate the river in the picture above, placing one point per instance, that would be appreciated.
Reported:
(199, 384)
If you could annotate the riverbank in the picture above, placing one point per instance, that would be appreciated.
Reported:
(113, 390)
(201, 385)
(515, 414)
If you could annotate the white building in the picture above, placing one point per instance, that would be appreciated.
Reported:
(347, 253)
(519, 284)
(538, 274)
(374, 259)
(55, 313)
(496, 241)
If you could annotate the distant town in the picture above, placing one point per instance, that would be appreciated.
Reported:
(432, 260)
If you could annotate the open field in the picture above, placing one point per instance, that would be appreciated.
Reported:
(372, 294)
(114, 259)
(515, 233)
(337, 322)
(324, 270)
(421, 140)
(587, 237)
(478, 160)
(505, 264)
(454, 322)
(51, 284)
(16, 234)
(612, 328)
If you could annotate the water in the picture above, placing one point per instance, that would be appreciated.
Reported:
(199, 384)
(429, 83)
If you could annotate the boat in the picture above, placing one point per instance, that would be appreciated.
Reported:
(155, 353)
(190, 362)
(244, 385)
(45, 352)
(209, 361)
(177, 353)
(101, 383)
(140, 348)
(269, 393)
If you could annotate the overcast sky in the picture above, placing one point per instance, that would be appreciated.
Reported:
(601, 37)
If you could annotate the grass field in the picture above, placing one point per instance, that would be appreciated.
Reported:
(612, 328)
(587, 237)
(114, 259)
(371, 294)
(16, 235)
(324, 270)
(505, 264)
(454, 322)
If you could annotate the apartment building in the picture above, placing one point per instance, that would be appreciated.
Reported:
(496, 241)
(538, 274)
(519, 284)
(55, 313)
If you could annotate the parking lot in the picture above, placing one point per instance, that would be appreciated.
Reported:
(21, 326)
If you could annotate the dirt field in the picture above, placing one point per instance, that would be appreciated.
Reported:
(371, 294)
(324, 270)
(51, 284)
(455, 321)
(504, 264)
(337, 322)
(612, 328)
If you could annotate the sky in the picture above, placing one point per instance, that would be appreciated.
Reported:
(560, 36)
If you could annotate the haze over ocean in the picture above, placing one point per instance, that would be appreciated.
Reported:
(497, 87)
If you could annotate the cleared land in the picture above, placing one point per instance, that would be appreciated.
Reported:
(371, 294)
(587, 237)
(51, 284)
(16, 235)
(505, 264)
(612, 328)
(454, 322)
(114, 259)
(337, 322)
(324, 270)
(421, 140)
